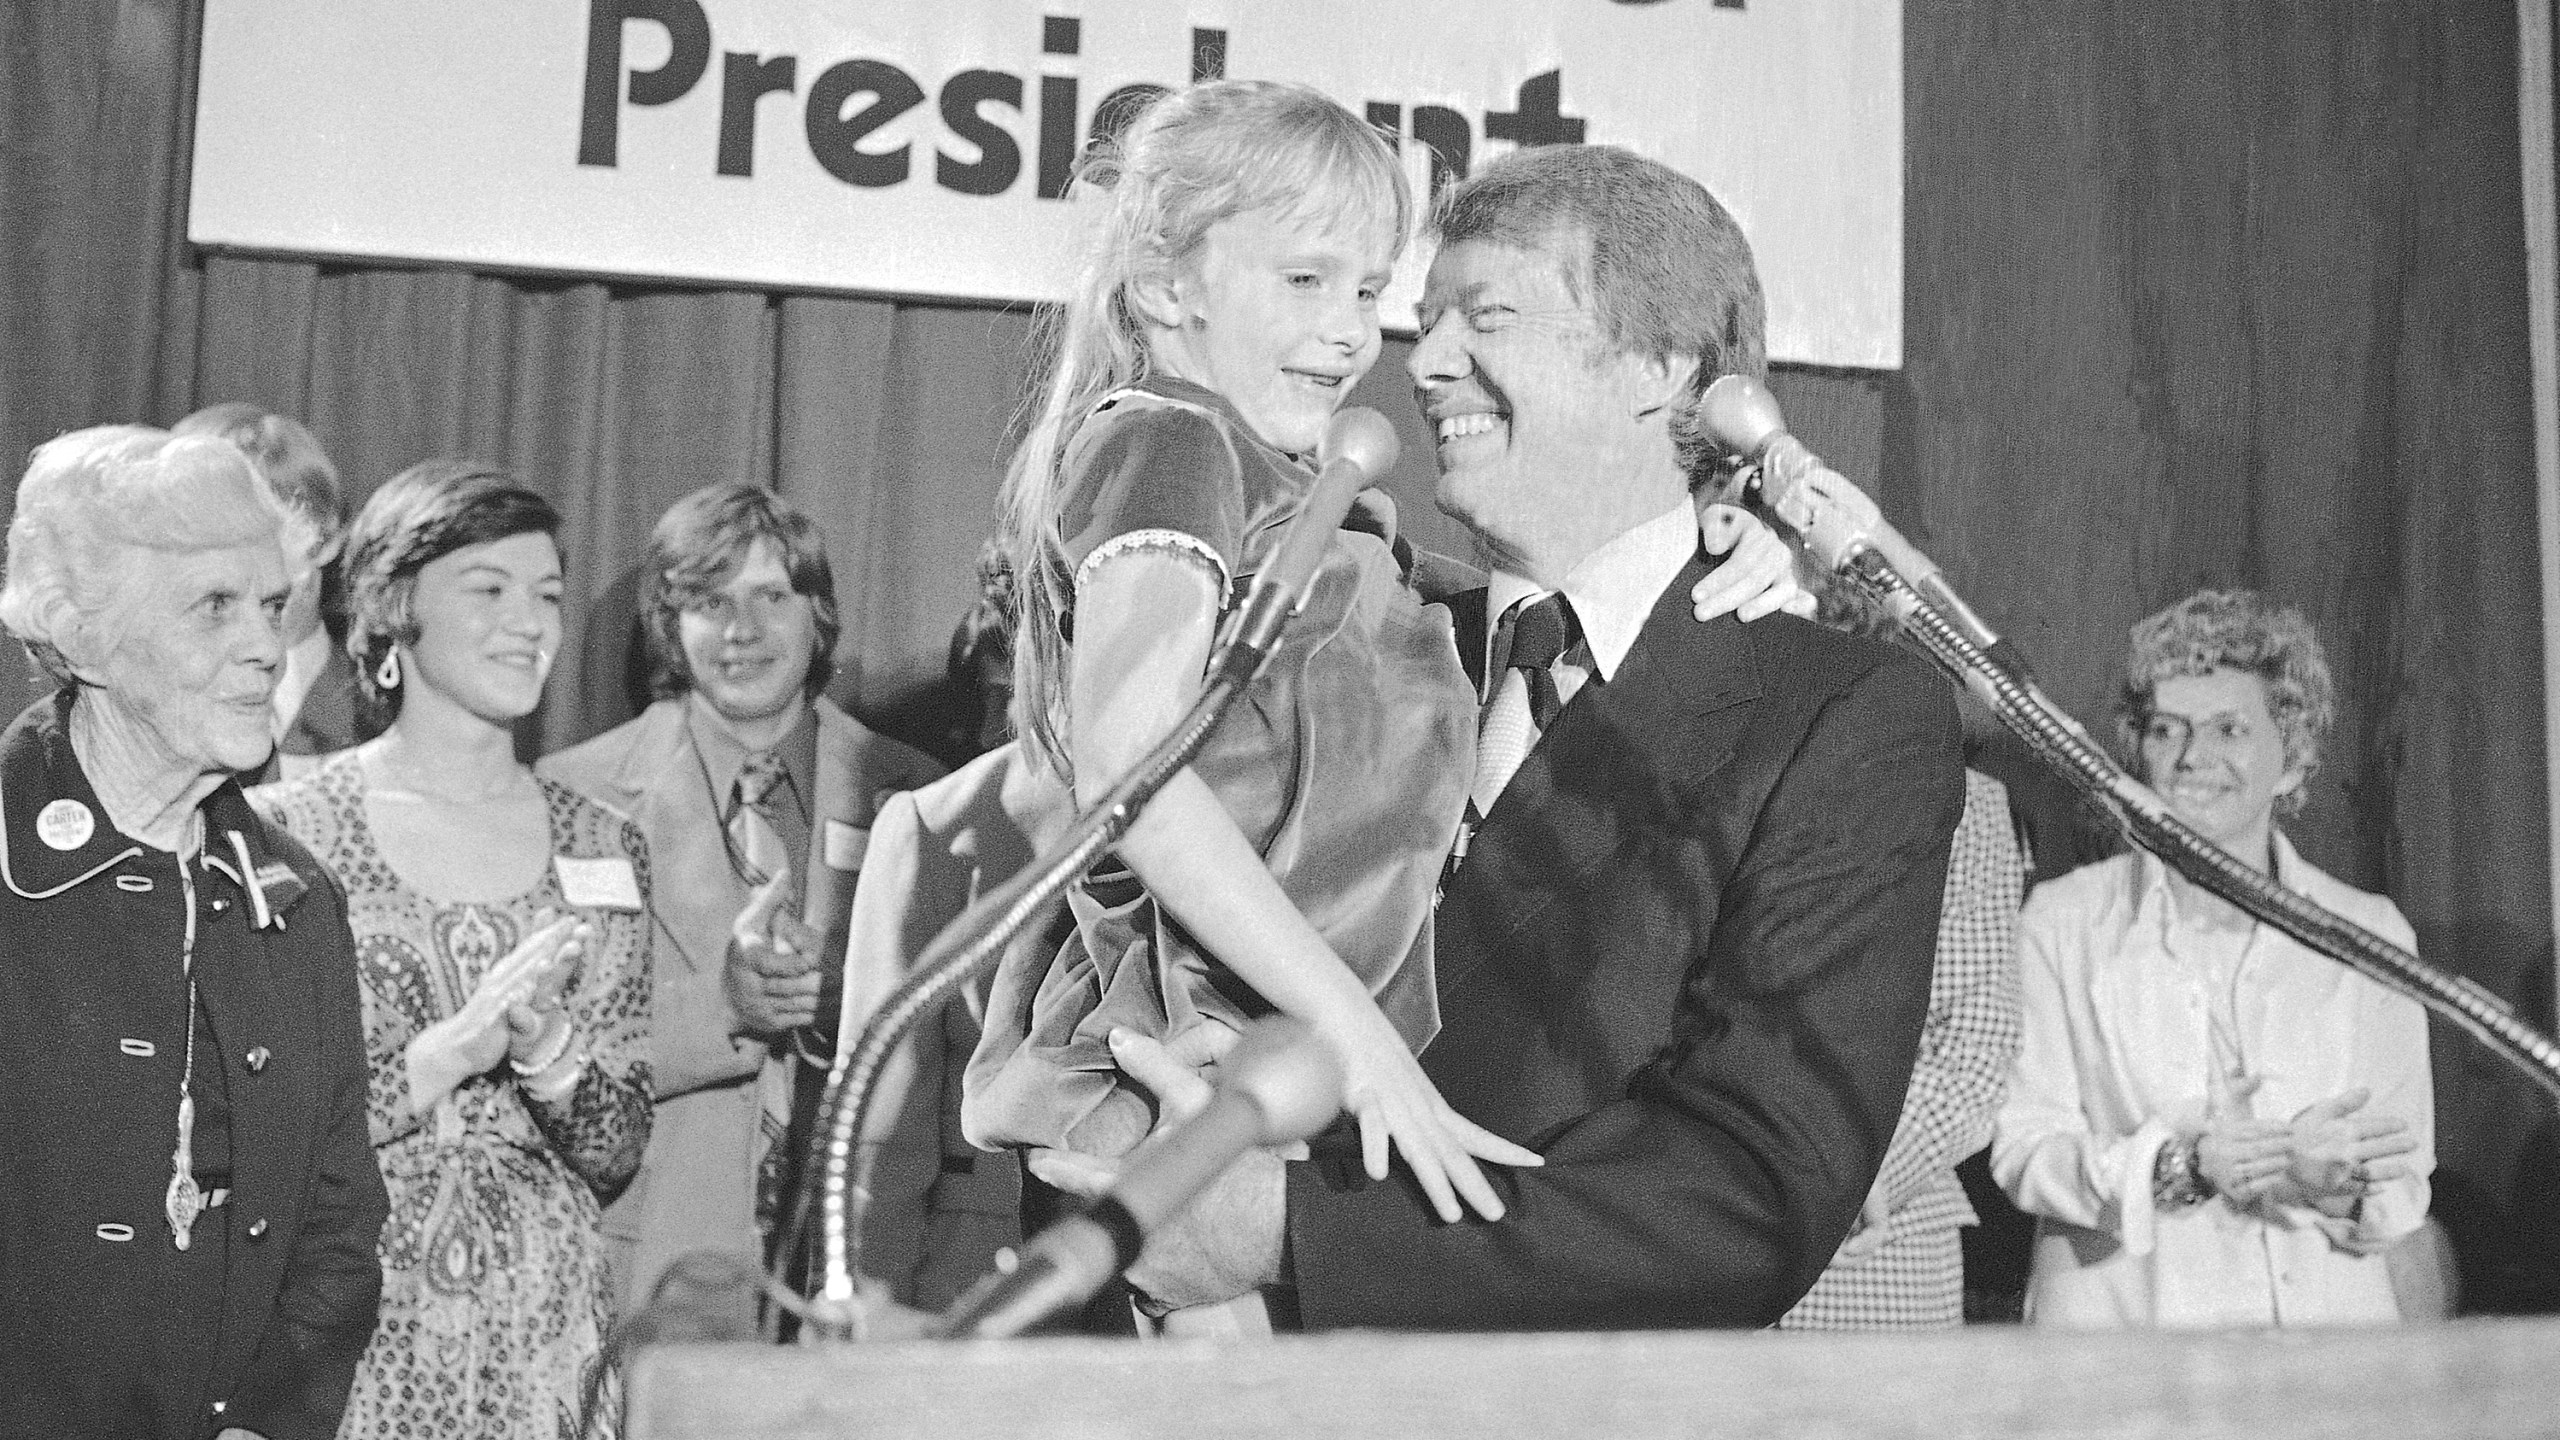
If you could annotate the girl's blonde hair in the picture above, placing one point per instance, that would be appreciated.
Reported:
(1191, 159)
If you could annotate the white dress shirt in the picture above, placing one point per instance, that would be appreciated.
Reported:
(1613, 592)
(302, 666)
(2126, 1005)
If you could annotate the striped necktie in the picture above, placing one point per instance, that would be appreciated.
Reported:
(756, 847)
(757, 852)
(1532, 636)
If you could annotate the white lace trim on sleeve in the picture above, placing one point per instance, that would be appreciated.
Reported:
(1157, 542)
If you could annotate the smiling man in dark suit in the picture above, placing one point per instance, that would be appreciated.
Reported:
(1686, 952)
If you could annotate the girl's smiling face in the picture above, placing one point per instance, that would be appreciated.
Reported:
(1277, 314)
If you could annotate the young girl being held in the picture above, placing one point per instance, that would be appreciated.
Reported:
(1228, 304)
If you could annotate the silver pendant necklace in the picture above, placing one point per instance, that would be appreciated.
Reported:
(186, 1198)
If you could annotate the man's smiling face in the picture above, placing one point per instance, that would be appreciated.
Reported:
(749, 641)
(1535, 413)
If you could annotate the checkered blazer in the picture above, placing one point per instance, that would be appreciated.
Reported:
(1916, 1281)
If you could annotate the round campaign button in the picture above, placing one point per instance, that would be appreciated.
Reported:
(65, 825)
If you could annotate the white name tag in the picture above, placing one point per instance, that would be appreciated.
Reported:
(844, 845)
(601, 883)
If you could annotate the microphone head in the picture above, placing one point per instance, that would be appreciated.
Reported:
(1740, 414)
(1362, 437)
(1291, 1076)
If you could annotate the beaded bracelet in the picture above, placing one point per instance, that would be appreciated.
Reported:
(526, 1069)
(545, 1087)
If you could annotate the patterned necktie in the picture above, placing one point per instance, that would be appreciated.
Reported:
(1533, 635)
(756, 847)
(757, 853)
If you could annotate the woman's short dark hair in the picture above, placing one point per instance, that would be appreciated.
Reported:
(2238, 630)
(700, 544)
(423, 514)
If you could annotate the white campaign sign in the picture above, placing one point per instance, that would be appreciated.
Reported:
(921, 147)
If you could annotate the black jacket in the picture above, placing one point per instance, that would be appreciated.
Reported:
(92, 1043)
(1687, 959)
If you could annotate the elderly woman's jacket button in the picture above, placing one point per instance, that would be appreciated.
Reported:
(257, 1059)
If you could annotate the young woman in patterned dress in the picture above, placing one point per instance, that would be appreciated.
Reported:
(501, 935)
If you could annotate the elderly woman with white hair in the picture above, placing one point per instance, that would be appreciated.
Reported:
(2215, 1125)
(188, 1201)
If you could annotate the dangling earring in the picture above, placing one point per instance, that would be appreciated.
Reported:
(387, 674)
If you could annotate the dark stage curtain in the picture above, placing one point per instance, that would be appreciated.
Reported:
(2196, 294)
(2199, 294)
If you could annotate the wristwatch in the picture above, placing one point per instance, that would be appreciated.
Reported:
(2176, 1180)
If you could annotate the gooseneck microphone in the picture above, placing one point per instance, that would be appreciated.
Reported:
(1279, 1084)
(1359, 446)
(1834, 519)
(1844, 532)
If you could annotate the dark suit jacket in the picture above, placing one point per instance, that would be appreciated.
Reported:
(93, 1016)
(330, 719)
(1687, 959)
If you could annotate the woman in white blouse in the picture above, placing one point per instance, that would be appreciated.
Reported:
(2214, 1125)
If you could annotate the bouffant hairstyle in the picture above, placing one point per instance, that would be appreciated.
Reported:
(2244, 631)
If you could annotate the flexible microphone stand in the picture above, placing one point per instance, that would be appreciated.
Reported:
(1843, 530)
(1278, 1085)
(1359, 444)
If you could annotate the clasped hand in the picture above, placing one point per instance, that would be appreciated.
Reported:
(513, 1013)
(772, 976)
(2329, 1156)
(1227, 1241)
(1760, 577)
(2336, 1154)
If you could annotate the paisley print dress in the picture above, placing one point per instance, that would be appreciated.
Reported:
(495, 1295)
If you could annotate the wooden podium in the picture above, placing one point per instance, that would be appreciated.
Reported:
(2473, 1378)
